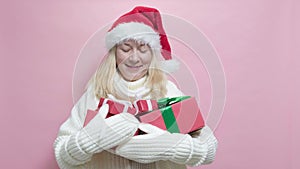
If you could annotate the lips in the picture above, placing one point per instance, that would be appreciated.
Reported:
(134, 66)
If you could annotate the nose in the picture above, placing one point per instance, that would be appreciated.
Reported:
(134, 57)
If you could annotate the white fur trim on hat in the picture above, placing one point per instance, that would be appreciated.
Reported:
(132, 30)
(169, 66)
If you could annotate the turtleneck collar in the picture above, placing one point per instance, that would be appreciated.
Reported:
(135, 89)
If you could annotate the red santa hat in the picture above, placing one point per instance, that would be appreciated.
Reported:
(142, 24)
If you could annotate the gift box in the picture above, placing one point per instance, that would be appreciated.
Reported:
(116, 108)
(177, 115)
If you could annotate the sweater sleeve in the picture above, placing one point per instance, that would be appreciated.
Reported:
(204, 144)
(68, 152)
(172, 90)
(204, 148)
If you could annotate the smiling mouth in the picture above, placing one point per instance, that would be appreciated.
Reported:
(134, 67)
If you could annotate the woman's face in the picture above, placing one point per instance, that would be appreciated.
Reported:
(133, 59)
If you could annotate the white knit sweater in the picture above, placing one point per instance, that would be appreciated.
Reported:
(77, 159)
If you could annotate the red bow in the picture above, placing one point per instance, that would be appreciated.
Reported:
(137, 107)
(116, 108)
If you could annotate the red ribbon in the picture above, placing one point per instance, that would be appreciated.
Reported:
(137, 107)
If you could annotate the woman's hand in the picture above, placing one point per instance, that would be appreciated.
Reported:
(162, 145)
(102, 134)
(156, 145)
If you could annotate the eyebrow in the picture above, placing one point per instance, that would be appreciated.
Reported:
(140, 44)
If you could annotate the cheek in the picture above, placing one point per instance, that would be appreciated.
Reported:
(147, 59)
(120, 58)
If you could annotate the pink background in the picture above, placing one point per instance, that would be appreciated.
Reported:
(256, 41)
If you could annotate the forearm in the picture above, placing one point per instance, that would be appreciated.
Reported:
(68, 152)
(204, 148)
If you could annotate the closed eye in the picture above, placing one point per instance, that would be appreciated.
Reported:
(125, 50)
(143, 48)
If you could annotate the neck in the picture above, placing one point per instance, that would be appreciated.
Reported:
(130, 90)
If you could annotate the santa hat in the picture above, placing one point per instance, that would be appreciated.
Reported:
(142, 24)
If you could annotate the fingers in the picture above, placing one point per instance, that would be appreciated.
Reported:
(149, 128)
(103, 111)
(114, 130)
(127, 117)
(205, 134)
(123, 125)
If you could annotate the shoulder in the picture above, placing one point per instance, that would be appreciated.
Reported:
(88, 99)
(91, 97)
(172, 90)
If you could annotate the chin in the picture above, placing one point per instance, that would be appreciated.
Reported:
(134, 77)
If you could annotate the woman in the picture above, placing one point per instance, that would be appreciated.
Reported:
(132, 70)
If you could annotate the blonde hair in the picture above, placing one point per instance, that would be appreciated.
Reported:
(103, 79)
